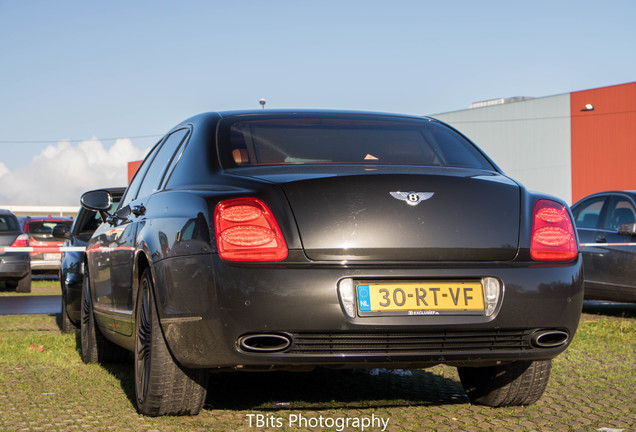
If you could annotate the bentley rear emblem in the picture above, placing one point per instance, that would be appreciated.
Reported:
(412, 198)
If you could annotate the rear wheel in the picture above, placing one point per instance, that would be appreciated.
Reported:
(162, 387)
(24, 284)
(65, 322)
(95, 347)
(517, 383)
(20, 285)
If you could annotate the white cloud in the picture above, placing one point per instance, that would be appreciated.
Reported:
(3, 169)
(61, 173)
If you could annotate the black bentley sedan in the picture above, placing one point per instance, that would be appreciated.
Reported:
(606, 225)
(265, 240)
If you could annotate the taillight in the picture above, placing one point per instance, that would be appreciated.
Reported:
(553, 236)
(247, 231)
(21, 241)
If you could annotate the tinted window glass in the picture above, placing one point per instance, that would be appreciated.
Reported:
(43, 230)
(173, 163)
(589, 213)
(154, 175)
(8, 223)
(346, 139)
(131, 191)
(621, 212)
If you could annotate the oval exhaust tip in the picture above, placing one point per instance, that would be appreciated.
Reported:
(549, 338)
(264, 343)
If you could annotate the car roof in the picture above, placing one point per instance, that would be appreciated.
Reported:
(116, 190)
(45, 218)
(316, 112)
(632, 193)
(269, 112)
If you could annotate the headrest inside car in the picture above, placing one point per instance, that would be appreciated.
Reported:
(240, 156)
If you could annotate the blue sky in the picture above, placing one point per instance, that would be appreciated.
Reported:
(72, 71)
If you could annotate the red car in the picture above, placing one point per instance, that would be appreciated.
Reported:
(40, 231)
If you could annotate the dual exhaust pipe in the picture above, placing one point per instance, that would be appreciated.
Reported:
(264, 343)
(272, 342)
(549, 338)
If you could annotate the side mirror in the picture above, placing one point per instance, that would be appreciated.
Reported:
(628, 229)
(60, 231)
(97, 200)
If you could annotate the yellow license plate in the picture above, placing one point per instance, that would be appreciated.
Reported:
(419, 298)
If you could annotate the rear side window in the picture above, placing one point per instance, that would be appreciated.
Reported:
(8, 223)
(621, 212)
(369, 140)
(133, 187)
(154, 175)
(589, 213)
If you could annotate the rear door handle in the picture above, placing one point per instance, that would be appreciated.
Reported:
(601, 239)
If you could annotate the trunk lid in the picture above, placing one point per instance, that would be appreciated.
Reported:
(7, 238)
(365, 214)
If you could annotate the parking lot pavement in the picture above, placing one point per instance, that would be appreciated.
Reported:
(44, 304)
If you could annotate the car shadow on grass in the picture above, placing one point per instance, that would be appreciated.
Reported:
(608, 308)
(319, 389)
(123, 372)
(331, 389)
(5, 289)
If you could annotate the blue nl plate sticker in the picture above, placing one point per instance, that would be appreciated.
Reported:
(364, 298)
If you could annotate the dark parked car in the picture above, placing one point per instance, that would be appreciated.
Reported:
(40, 231)
(15, 267)
(606, 225)
(71, 270)
(253, 241)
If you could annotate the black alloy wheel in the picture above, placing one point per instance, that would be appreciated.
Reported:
(162, 387)
(94, 346)
(65, 322)
(87, 328)
(513, 384)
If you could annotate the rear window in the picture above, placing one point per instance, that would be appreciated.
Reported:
(252, 140)
(45, 228)
(8, 223)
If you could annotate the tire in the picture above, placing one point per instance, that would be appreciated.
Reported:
(24, 284)
(66, 325)
(513, 384)
(95, 348)
(20, 285)
(162, 387)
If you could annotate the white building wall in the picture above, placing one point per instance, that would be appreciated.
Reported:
(529, 140)
(20, 210)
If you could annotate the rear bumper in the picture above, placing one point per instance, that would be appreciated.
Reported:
(14, 265)
(206, 306)
(45, 265)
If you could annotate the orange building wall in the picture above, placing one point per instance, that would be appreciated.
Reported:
(603, 140)
(132, 169)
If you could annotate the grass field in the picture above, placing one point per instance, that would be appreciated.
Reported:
(45, 386)
(38, 287)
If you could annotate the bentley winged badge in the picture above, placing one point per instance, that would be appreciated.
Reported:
(412, 198)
